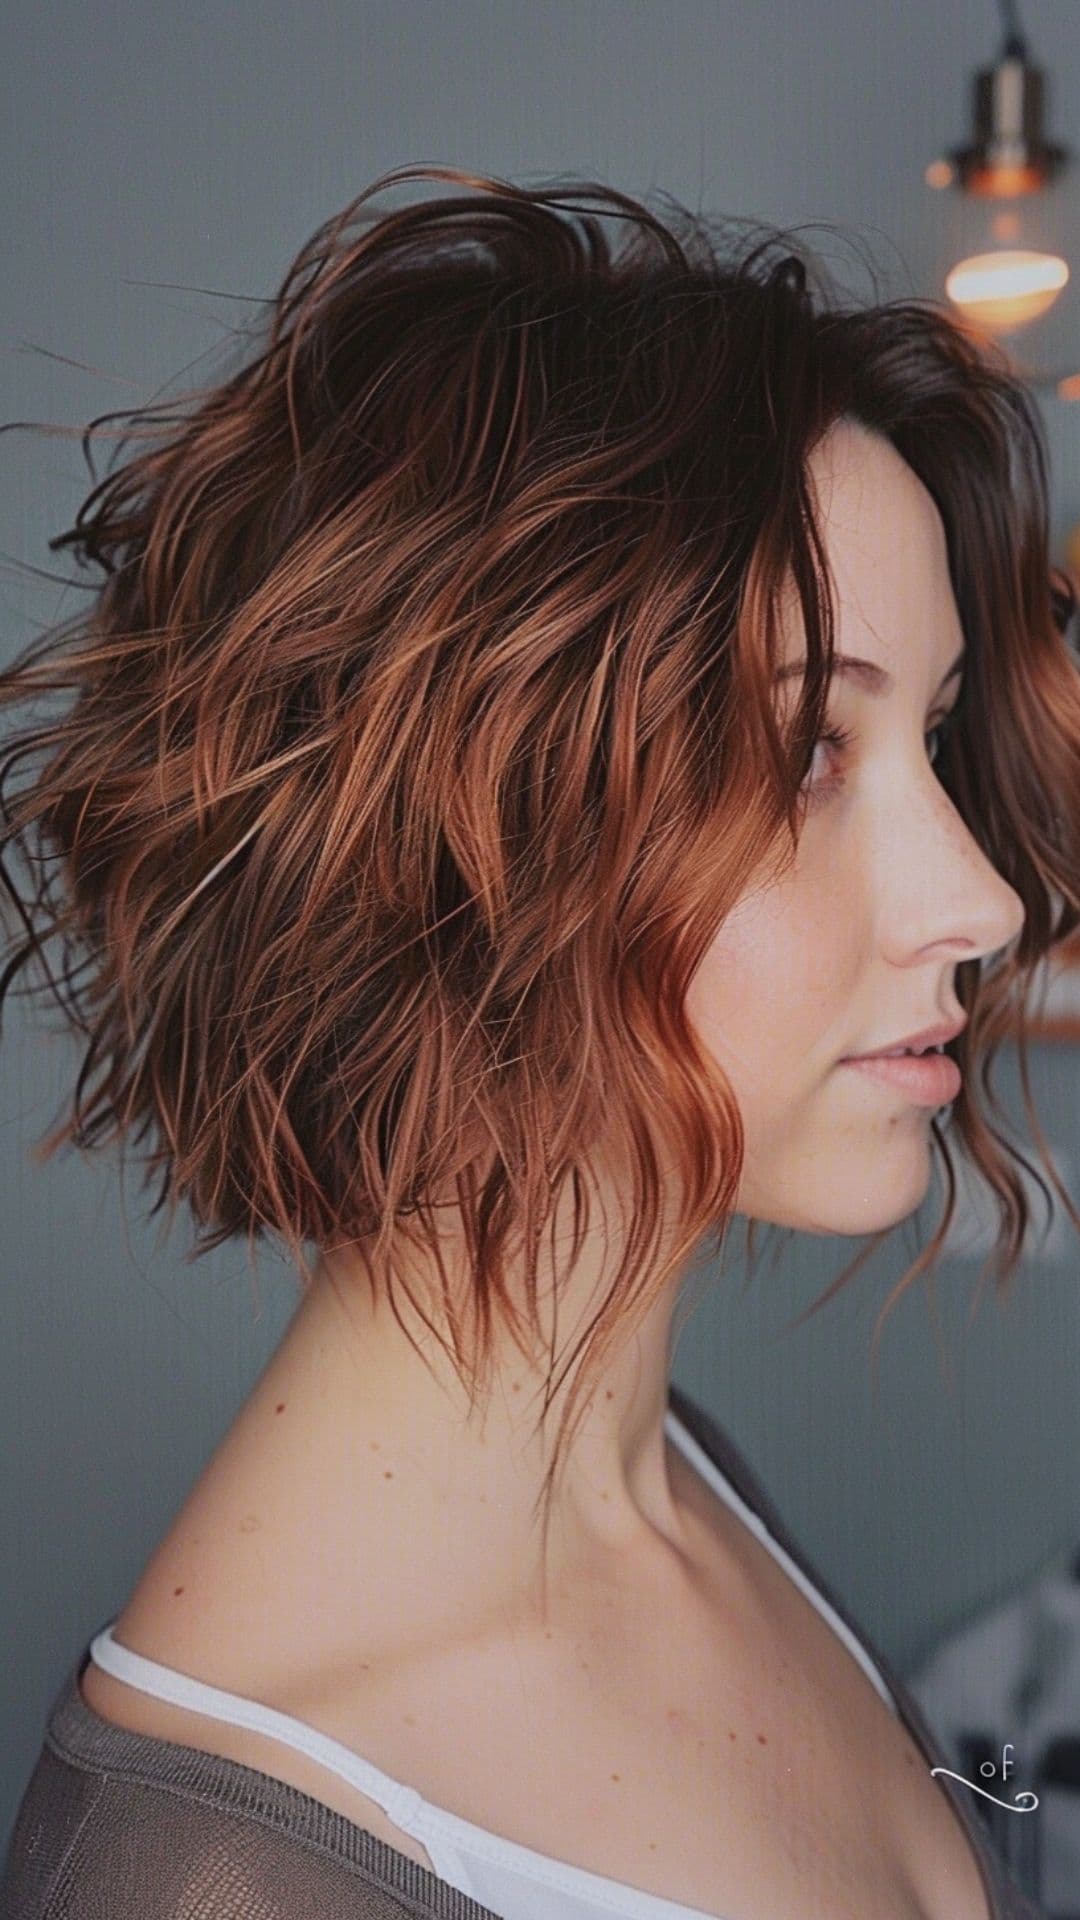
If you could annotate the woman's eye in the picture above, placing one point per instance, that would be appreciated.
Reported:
(839, 739)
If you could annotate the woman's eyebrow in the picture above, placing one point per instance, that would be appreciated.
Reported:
(874, 678)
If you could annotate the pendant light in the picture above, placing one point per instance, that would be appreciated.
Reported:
(1002, 289)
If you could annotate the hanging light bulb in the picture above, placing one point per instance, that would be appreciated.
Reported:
(1005, 289)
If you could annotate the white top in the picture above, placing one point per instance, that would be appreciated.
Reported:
(512, 1880)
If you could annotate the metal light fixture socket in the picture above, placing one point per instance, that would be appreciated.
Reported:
(1008, 156)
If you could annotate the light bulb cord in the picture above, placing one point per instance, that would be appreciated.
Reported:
(1015, 46)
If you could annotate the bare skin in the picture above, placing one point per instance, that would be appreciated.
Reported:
(359, 1555)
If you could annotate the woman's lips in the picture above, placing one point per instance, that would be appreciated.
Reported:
(931, 1079)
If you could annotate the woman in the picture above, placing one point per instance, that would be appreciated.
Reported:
(492, 867)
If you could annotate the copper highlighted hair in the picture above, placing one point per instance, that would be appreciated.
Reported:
(422, 730)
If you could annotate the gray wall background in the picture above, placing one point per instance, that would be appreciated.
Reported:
(162, 165)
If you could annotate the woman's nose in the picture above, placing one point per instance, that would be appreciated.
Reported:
(956, 897)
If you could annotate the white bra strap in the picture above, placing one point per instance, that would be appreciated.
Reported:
(400, 1802)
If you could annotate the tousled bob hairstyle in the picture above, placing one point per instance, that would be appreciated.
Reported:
(423, 730)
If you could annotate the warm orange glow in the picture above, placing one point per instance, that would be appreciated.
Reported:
(1006, 290)
(940, 173)
(1002, 182)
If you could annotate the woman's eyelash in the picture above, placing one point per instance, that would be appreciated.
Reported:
(840, 739)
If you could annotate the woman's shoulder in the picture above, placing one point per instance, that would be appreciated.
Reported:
(114, 1701)
(116, 1832)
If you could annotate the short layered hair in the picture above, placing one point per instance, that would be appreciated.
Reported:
(424, 732)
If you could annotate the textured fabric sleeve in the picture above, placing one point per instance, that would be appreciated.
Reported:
(92, 1845)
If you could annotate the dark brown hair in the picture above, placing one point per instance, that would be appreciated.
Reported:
(424, 735)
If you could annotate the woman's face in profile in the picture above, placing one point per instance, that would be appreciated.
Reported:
(857, 946)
